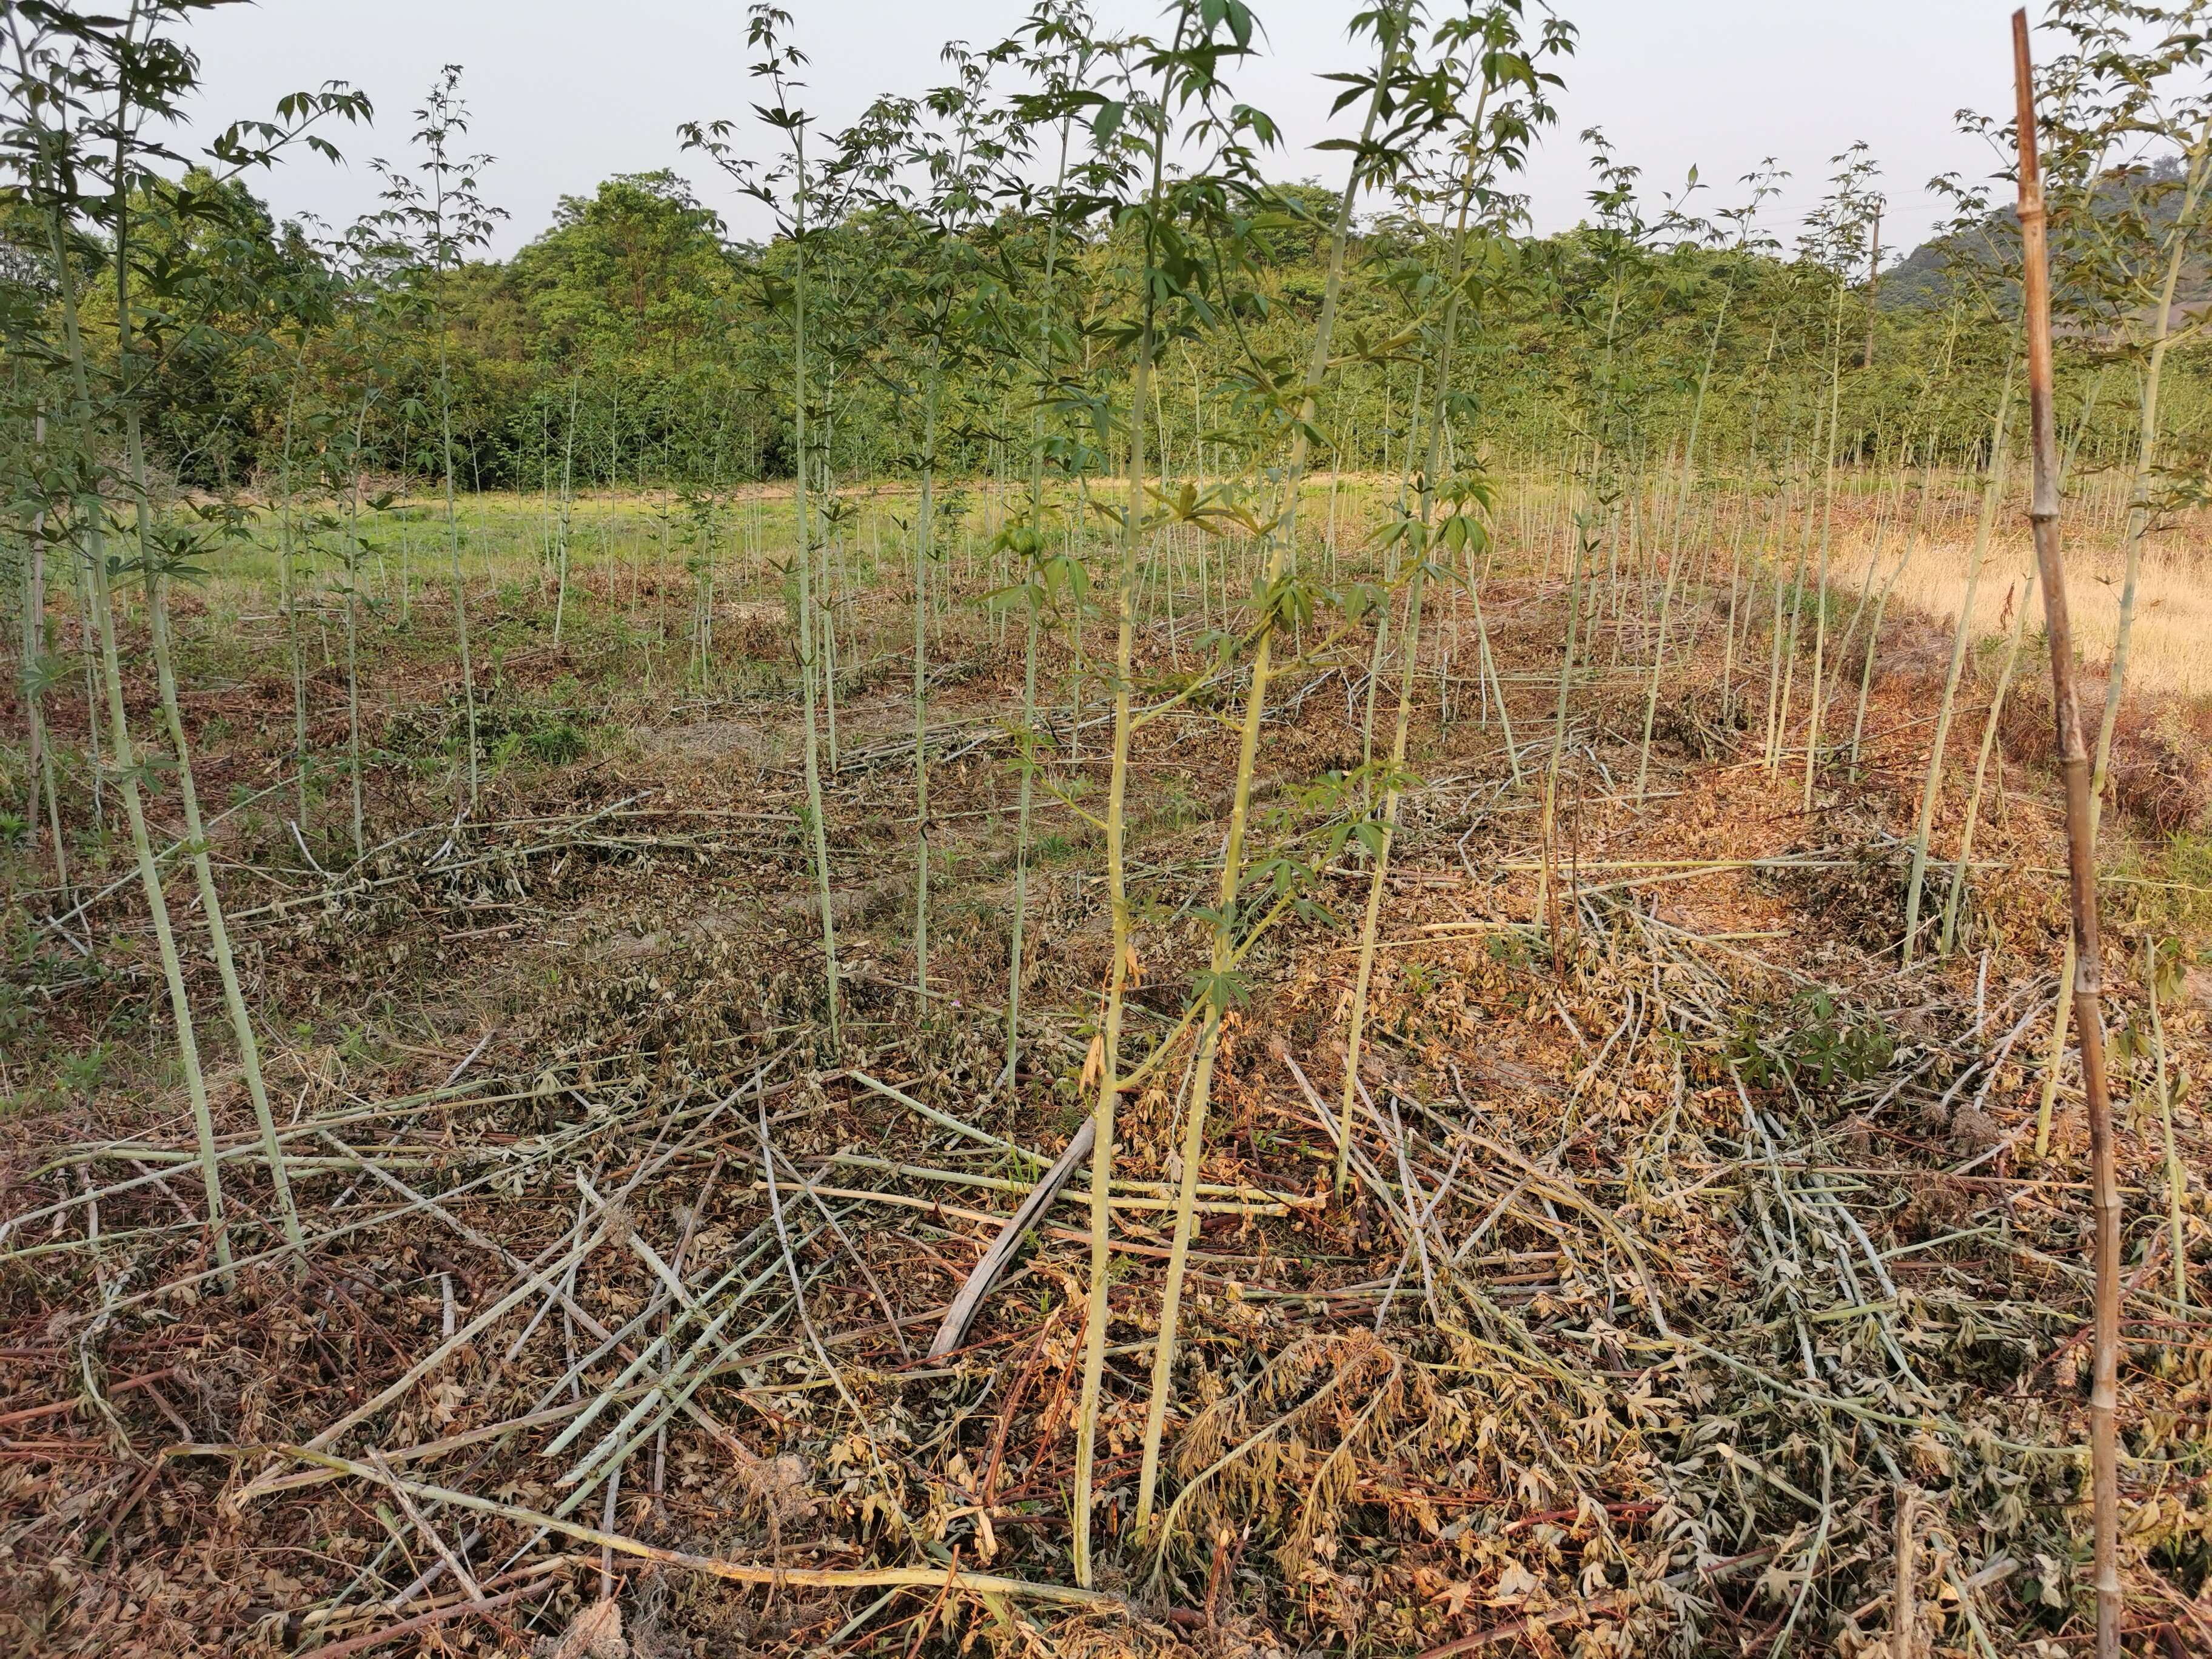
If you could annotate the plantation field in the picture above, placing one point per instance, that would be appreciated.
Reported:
(1069, 903)
(596, 982)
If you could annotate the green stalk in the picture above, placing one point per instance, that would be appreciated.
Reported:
(173, 972)
(234, 998)
(1035, 621)
(803, 560)
(1675, 553)
(1281, 553)
(40, 759)
(89, 647)
(1108, 1048)
(1993, 488)
(567, 481)
(1101, 1166)
(289, 600)
(1949, 931)
(924, 530)
(2138, 524)
(452, 519)
(1814, 698)
(101, 619)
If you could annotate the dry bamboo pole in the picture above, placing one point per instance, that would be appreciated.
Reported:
(2081, 860)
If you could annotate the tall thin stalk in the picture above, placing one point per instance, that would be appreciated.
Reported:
(353, 625)
(2139, 515)
(35, 669)
(762, 31)
(924, 542)
(1814, 698)
(1390, 26)
(1106, 1054)
(2080, 862)
(1962, 633)
(1675, 553)
(288, 577)
(1027, 787)
(1948, 934)
(568, 499)
(90, 528)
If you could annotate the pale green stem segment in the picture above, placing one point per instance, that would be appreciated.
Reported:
(924, 536)
(234, 997)
(2139, 518)
(100, 614)
(1931, 787)
(803, 561)
(568, 498)
(1948, 934)
(1281, 556)
(1814, 700)
(1107, 1049)
(1675, 553)
(1029, 638)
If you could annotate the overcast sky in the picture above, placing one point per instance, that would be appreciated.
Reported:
(565, 93)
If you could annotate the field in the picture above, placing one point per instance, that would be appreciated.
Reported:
(1093, 906)
(1727, 1233)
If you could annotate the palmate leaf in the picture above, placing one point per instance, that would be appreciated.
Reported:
(44, 672)
(1220, 989)
(1355, 599)
(146, 773)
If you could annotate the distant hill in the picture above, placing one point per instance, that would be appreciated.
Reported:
(1925, 277)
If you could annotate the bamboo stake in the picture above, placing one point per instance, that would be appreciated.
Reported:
(2081, 854)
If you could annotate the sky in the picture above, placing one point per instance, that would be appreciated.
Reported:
(565, 93)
